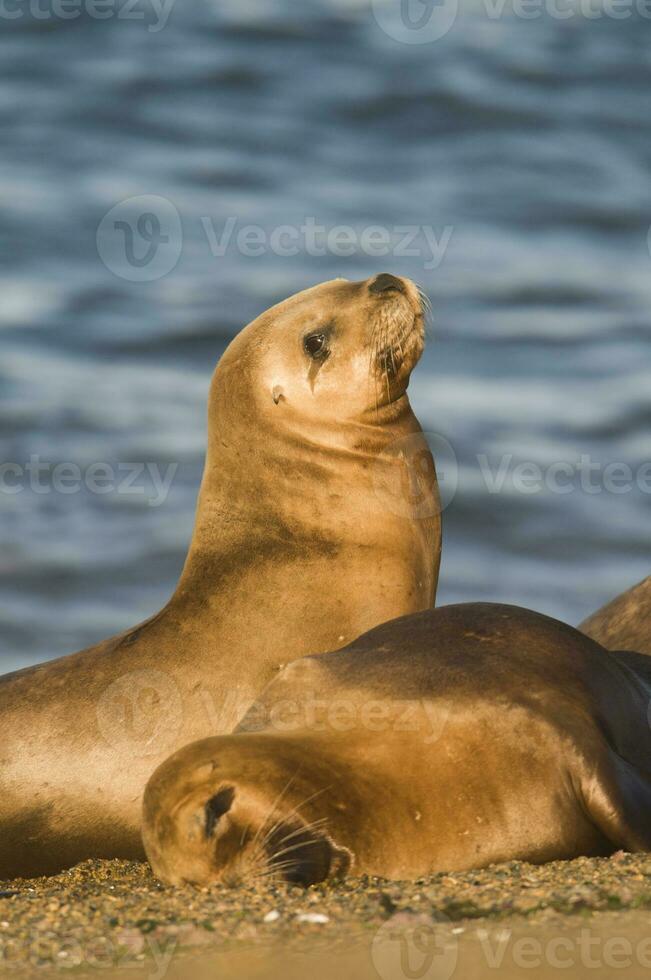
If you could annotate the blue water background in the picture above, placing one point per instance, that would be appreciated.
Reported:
(529, 139)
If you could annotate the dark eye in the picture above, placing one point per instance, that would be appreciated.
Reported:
(315, 345)
(217, 807)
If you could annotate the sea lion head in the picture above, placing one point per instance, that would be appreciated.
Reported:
(220, 810)
(340, 351)
(310, 433)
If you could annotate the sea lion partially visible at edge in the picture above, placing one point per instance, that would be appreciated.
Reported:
(442, 741)
(625, 622)
(296, 548)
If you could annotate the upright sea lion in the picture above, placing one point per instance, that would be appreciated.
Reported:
(442, 741)
(295, 549)
(625, 622)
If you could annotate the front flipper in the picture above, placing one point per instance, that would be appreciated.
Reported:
(616, 797)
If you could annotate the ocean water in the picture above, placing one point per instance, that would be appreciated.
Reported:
(523, 146)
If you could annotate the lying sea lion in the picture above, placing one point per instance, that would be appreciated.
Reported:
(442, 741)
(625, 622)
(297, 547)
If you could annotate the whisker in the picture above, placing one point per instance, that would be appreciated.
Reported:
(272, 808)
(292, 812)
(373, 365)
(385, 363)
(315, 825)
(275, 870)
(294, 847)
(313, 796)
(279, 848)
(426, 305)
(308, 825)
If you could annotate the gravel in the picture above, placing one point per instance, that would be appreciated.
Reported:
(104, 913)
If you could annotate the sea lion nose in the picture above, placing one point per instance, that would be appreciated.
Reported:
(385, 282)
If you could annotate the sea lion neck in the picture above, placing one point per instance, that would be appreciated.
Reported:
(254, 470)
(293, 492)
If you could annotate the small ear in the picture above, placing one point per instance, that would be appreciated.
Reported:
(304, 856)
(277, 394)
(216, 807)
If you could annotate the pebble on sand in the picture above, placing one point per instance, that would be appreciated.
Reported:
(115, 913)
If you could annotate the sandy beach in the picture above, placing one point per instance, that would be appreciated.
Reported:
(587, 916)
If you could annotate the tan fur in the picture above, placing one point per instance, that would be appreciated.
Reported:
(293, 553)
(441, 741)
(625, 622)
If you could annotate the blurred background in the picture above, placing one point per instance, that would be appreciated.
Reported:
(522, 145)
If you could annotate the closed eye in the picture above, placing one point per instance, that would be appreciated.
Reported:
(216, 807)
